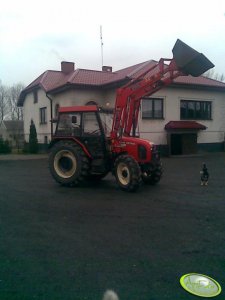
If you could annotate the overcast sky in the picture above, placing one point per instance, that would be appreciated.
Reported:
(37, 35)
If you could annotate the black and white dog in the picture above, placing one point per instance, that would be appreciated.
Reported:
(204, 175)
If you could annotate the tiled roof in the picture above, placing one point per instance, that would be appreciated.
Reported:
(200, 80)
(184, 125)
(53, 80)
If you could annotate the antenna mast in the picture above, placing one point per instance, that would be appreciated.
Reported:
(101, 44)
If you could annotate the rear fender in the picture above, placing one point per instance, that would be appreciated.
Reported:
(76, 141)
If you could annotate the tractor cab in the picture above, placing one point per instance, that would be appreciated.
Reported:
(84, 124)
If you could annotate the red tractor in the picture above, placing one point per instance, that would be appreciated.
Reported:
(81, 150)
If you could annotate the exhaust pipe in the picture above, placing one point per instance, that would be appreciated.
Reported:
(190, 61)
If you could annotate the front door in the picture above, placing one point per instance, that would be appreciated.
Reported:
(189, 143)
(183, 143)
(176, 144)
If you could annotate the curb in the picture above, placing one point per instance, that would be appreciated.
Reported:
(22, 156)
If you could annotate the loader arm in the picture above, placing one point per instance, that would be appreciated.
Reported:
(185, 61)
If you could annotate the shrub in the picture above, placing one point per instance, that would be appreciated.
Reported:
(4, 147)
(26, 148)
(33, 142)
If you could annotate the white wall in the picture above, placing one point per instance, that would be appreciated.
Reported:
(68, 98)
(32, 112)
(82, 97)
(154, 129)
(150, 129)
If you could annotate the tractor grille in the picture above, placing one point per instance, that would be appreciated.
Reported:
(155, 153)
(142, 152)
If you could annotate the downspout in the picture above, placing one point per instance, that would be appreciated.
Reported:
(51, 113)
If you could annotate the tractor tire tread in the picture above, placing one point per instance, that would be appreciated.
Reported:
(84, 163)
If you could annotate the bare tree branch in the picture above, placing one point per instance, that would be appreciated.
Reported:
(8, 102)
(4, 105)
(16, 113)
(213, 75)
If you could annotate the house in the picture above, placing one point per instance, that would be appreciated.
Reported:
(184, 117)
(12, 131)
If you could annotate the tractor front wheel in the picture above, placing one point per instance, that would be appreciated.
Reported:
(128, 173)
(68, 163)
(152, 177)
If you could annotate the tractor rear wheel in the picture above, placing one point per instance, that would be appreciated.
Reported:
(153, 177)
(68, 163)
(128, 173)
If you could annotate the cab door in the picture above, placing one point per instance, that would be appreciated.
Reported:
(93, 136)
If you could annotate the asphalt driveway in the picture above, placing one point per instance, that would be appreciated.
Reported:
(74, 243)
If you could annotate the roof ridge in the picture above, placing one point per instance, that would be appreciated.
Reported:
(42, 79)
(73, 75)
(142, 65)
(133, 66)
(99, 71)
(212, 79)
(56, 71)
(37, 79)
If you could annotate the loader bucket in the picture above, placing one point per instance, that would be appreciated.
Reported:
(190, 61)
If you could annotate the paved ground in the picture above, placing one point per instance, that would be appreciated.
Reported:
(74, 243)
(22, 156)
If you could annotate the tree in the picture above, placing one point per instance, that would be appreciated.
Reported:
(33, 142)
(16, 113)
(211, 74)
(4, 105)
(4, 147)
(8, 102)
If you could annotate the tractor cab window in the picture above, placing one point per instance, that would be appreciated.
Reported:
(90, 124)
(107, 120)
(69, 124)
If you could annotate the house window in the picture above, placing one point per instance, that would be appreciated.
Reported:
(35, 95)
(43, 115)
(152, 108)
(197, 110)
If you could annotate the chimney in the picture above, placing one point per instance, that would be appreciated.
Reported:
(67, 67)
(107, 69)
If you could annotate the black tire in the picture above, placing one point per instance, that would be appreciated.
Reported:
(127, 173)
(68, 163)
(153, 177)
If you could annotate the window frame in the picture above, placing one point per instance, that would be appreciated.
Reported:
(154, 100)
(43, 115)
(201, 109)
(35, 95)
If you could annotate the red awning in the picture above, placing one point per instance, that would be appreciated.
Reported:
(184, 125)
(68, 109)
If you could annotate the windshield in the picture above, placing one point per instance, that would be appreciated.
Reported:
(69, 124)
(107, 120)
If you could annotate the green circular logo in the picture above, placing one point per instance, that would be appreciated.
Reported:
(200, 285)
